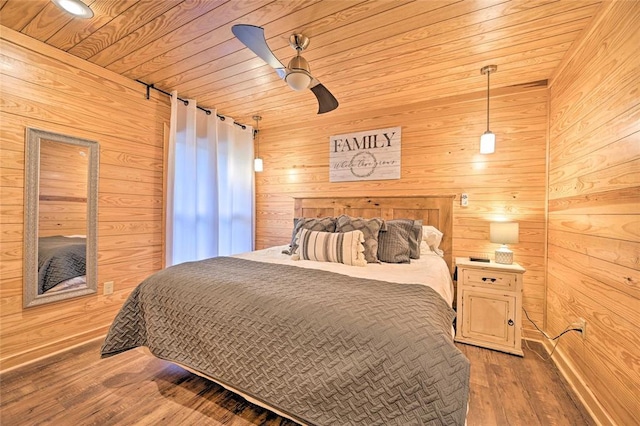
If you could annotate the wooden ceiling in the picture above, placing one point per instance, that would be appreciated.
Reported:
(367, 53)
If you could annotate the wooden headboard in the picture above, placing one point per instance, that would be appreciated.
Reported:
(433, 210)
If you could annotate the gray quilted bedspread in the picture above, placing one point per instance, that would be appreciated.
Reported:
(60, 258)
(324, 348)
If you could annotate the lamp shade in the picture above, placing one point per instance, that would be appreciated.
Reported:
(503, 232)
(487, 143)
(257, 164)
(298, 80)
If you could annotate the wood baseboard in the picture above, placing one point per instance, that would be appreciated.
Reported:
(531, 335)
(36, 354)
(588, 399)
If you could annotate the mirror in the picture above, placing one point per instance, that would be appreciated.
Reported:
(60, 219)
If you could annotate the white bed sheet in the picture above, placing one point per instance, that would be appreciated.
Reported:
(71, 283)
(430, 270)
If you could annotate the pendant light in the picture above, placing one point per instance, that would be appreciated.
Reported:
(488, 138)
(257, 162)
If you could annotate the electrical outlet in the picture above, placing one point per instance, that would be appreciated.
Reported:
(464, 199)
(581, 325)
(108, 288)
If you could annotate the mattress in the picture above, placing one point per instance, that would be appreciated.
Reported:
(430, 270)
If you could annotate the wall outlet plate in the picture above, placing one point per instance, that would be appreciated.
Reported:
(583, 325)
(108, 288)
(464, 199)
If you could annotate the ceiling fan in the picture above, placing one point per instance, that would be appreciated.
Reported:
(297, 74)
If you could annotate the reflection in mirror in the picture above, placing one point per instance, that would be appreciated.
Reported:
(60, 217)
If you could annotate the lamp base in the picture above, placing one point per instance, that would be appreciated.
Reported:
(504, 255)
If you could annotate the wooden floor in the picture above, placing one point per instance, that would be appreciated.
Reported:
(79, 388)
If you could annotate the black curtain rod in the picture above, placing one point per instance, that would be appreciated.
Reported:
(186, 102)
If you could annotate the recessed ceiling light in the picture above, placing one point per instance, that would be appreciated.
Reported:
(75, 7)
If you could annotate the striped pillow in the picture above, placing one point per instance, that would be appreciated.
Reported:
(344, 247)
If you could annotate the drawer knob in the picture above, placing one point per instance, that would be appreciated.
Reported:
(510, 322)
(485, 279)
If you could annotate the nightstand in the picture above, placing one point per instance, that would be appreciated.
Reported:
(489, 305)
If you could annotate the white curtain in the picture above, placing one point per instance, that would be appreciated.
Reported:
(210, 185)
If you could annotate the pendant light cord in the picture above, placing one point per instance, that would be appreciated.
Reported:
(488, 74)
(257, 144)
(256, 133)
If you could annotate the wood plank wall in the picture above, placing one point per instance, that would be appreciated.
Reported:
(440, 155)
(63, 189)
(594, 203)
(48, 89)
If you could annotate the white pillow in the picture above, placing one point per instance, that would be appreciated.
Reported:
(338, 247)
(431, 239)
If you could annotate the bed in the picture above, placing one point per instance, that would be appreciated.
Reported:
(62, 263)
(320, 343)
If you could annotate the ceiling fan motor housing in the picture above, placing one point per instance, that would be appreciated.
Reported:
(299, 76)
(299, 63)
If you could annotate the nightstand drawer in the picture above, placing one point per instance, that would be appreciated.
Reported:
(489, 279)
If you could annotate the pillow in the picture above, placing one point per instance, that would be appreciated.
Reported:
(369, 228)
(345, 247)
(324, 224)
(393, 244)
(415, 238)
(431, 239)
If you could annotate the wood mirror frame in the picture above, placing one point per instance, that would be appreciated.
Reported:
(35, 139)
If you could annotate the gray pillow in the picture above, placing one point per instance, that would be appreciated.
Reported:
(393, 244)
(370, 229)
(324, 224)
(415, 238)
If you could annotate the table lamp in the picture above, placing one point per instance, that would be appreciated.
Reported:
(504, 233)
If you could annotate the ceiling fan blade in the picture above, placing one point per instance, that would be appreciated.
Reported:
(326, 101)
(282, 72)
(253, 37)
